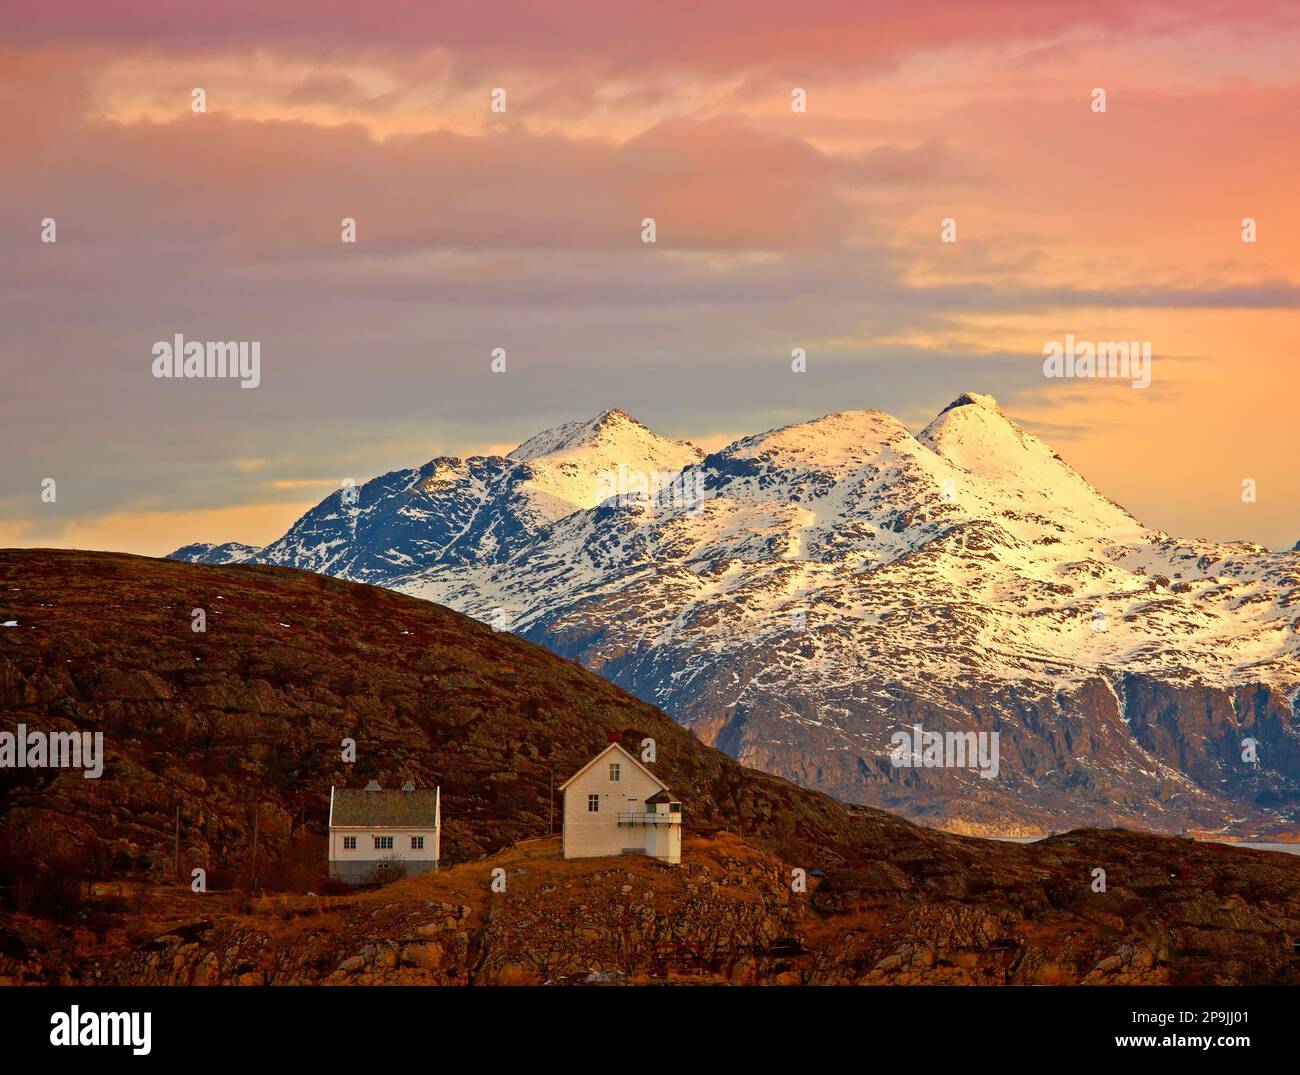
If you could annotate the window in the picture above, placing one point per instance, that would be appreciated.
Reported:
(593, 804)
(349, 843)
(613, 771)
(417, 843)
(383, 843)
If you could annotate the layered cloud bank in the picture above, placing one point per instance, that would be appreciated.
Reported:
(522, 230)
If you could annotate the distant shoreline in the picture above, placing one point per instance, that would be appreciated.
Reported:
(1287, 847)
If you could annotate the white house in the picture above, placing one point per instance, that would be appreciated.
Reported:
(614, 805)
(372, 829)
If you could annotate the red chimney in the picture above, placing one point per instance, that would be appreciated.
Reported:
(613, 737)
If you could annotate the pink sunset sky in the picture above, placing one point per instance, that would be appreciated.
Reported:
(522, 230)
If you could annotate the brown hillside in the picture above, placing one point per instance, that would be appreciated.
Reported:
(253, 712)
(246, 720)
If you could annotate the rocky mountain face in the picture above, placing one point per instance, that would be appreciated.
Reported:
(221, 746)
(805, 595)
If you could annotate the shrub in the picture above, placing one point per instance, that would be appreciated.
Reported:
(386, 871)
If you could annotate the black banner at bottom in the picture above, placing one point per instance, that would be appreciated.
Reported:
(399, 1023)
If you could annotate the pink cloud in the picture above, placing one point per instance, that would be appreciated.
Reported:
(811, 38)
(713, 185)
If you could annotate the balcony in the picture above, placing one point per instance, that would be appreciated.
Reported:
(642, 818)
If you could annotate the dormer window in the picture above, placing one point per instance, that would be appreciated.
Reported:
(613, 771)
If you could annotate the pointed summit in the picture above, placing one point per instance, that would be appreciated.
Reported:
(973, 399)
(609, 426)
(973, 433)
(574, 465)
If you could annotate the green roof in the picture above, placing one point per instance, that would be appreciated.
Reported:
(398, 809)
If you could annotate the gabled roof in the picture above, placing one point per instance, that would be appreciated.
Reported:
(355, 807)
(626, 754)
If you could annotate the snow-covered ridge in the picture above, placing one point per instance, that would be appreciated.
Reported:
(974, 525)
(827, 581)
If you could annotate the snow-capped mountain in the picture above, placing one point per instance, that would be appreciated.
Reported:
(804, 594)
(471, 511)
(202, 552)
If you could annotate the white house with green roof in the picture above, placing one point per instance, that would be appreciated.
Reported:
(377, 834)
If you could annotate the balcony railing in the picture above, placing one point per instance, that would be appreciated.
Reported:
(642, 818)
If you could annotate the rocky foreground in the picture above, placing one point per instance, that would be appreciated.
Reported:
(236, 731)
(1173, 913)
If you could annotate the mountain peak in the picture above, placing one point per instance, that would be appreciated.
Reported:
(976, 419)
(973, 399)
(833, 445)
(841, 429)
(573, 465)
(580, 433)
(974, 433)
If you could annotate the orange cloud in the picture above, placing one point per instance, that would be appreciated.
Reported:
(156, 533)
